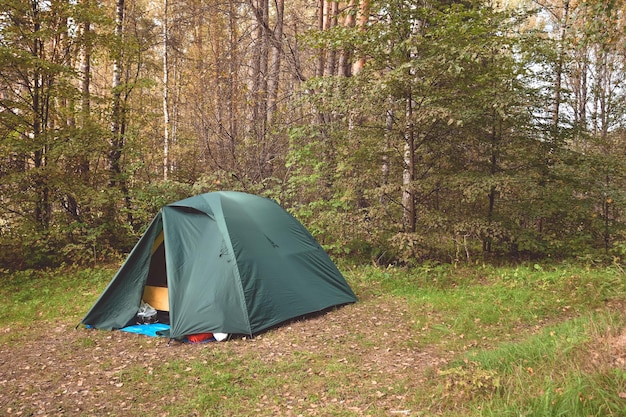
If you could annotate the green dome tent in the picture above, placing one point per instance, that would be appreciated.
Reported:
(225, 262)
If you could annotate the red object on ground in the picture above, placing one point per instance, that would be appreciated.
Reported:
(199, 337)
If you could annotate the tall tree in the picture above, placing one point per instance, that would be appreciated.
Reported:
(166, 113)
(35, 69)
(276, 55)
(118, 116)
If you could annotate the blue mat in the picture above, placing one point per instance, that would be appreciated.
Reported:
(147, 329)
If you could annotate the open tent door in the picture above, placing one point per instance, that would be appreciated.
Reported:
(155, 292)
(117, 305)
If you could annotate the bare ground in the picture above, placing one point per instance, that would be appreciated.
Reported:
(58, 370)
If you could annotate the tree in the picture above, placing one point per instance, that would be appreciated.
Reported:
(166, 113)
(36, 47)
(401, 130)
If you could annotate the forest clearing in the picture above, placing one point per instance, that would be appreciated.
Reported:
(462, 161)
(436, 341)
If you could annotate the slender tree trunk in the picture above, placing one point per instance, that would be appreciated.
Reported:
(117, 125)
(493, 169)
(258, 75)
(364, 15)
(386, 168)
(82, 167)
(85, 73)
(581, 90)
(166, 113)
(408, 177)
(264, 63)
(332, 19)
(275, 61)
(118, 129)
(321, 26)
(345, 56)
(558, 73)
(259, 100)
(606, 213)
(40, 107)
(233, 79)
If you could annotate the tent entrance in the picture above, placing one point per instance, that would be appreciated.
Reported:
(155, 291)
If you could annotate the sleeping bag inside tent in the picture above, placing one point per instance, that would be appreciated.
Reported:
(222, 262)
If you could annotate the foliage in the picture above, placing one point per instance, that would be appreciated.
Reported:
(397, 132)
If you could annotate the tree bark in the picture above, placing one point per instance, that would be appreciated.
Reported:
(233, 80)
(258, 74)
(408, 176)
(364, 15)
(166, 113)
(558, 73)
(321, 26)
(117, 134)
(345, 56)
(332, 19)
(40, 99)
(386, 167)
(85, 72)
(275, 61)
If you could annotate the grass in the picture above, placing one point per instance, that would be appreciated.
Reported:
(521, 337)
(32, 296)
(434, 341)
(496, 304)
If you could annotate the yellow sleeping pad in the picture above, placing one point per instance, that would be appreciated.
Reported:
(157, 297)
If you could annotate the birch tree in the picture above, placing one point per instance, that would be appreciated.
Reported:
(118, 116)
(166, 113)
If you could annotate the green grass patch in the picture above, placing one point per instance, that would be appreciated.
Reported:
(465, 306)
(559, 371)
(523, 337)
(34, 297)
(543, 349)
(50, 295)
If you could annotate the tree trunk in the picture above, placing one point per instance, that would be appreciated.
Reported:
(332, 19)
(558, 74)
(233, 80)
(258, 74)
(321, 26)
(581, 89)
(117, 124)
(364, 15)
(118, 131)
(275, 61)
(40, 99)
(408, 176)
(85, 73)
(386, 168)
(264, 62)
(345, 56)
(166, 113)
(493, 169)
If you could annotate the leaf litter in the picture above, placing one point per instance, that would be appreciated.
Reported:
(364, 359)
(357, 358)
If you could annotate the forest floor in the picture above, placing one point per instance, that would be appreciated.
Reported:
(54, 369)
(386, 355)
